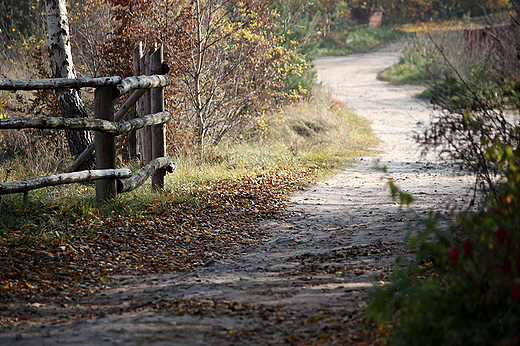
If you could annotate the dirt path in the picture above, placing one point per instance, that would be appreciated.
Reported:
(309, 284)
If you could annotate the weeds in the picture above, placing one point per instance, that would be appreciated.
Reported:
(463, 287)
(424, 60)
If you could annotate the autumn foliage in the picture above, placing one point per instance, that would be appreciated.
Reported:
(227, 67)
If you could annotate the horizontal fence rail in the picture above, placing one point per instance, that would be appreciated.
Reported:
(85, 123)
(141, 82)
(57, 83)
(148, 120)
(122, 85)
(125, 181)
(60, 179)
(59, 124)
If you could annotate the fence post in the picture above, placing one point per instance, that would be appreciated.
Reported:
(158, 131)
(145, 133)
(105, 144)
(132, 135)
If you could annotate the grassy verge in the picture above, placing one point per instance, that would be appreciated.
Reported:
(356, 39)
(422, 63)
(435, 56)
(60, 243)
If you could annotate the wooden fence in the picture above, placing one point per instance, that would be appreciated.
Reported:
(492, 38)
(109, 180)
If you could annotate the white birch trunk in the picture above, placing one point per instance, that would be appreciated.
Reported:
(71, 105)
(515, 21)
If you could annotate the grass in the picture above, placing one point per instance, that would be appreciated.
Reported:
(356, 39)
(423, 59)
(59, 242)
(434, 55)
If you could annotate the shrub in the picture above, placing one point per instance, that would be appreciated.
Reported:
(463, 286)
(226, 66)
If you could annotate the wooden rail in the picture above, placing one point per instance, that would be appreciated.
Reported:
(59, 124)
(124, 185)
(109, 180)
(121, 85)
(141, 82)
(57, 83)
(85, 123)
(60, 179)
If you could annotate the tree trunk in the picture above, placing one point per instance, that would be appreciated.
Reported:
(515, 25)
(71, 105)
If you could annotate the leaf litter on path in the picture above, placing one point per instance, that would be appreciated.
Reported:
(80, 257)
(67, 277)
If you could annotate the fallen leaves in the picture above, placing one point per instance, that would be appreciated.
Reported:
(67, 251)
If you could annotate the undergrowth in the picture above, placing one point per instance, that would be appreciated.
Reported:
(457, 73)
(463, 286)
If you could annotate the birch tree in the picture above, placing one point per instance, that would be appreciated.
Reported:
(69, 101)
(515, 23)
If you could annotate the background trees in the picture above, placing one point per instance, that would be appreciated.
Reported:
(227, 65)
(406, 11)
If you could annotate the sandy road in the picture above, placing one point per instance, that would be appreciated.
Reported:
(359, 194)
(309, 282)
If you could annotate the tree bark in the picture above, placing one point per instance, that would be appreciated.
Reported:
(63, 178)
(125, 185)
(515, 25)
(69, 101)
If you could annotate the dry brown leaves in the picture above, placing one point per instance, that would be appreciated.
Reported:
(79, 253)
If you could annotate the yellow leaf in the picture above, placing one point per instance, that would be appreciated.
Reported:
(7, 286)
(232, 331)
(314, 318)
(188, 239)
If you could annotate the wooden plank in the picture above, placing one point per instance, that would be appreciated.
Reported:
(105, 144)
(158, 132)
(57, 83)
(60, 123)
(137, 54)
(125, 185)
(60, 179)
(149, 120)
